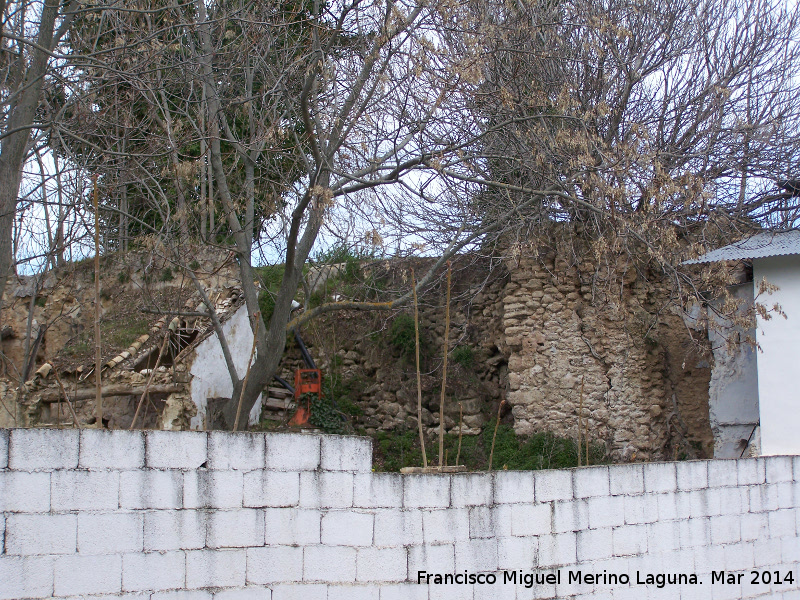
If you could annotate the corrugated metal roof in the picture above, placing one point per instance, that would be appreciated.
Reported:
(759, 246)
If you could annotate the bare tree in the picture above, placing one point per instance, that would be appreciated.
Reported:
(435, 128)
(29, 33)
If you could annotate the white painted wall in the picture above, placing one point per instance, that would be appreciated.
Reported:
(733, 389)
(779, 363)
(210, 378)
(161, 515)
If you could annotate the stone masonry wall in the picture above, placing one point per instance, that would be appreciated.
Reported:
(162, 515)
(608, 349)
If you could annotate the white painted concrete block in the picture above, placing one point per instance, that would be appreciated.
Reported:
(84, 490)
(626, 479)
(326, 490)
(24, 492)
(482, 523)
(426, 491)
(553, 485)
(346, 528)
(215, 568)
(470, 489)
(476, 556)
(559, 549)
(695, 532)
(633, 508)
(235, 528)
(292, 452)
(248, 593)
(692, 474)
(511, 487)
(515, 553)
(353, 592)
(236, 451)
(767, 552)
(595, 544)
(175, 529)
(778, 468)
(790, 553)
(663, 536)
(271, 488)
(770, 497)
(110, 533)
(590, 481)
(274, 564)
(750, 471)
(397, 528)
(629, 540)
(722, 473)
(739, 557)
(609, 511)
(436, 558)
(377, 490)
(730, 500)
(329, 564)
(40, 534)
(649, 504)
(498, 591)
(213, 489)
(450, 592)
(381, 564)
(782, 523)
(530, 519)
(111, 449)
(754, 526)
(574, 515)
(155, 571)
(667, 506)
(182, 595)
(3, 448)
(346, 453)
(536, 592)
(176, 449)
(290, 526)
(708, 558)
(42, 449)
(151, 489)
(404, 591)
(300, 591)
(660, 477)
(25, 577)
(78, 574)
(446, 525)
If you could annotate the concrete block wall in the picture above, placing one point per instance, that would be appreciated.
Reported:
(161, 515)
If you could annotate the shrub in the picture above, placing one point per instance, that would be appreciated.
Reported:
(464, 356)
(401, 334)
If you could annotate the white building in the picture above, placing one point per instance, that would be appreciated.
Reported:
(774, 372)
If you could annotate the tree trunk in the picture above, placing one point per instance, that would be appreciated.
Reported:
(12, 155)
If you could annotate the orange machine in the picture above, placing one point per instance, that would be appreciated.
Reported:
(306, 381)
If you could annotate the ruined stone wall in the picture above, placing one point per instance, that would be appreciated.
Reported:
(554, 338)
(607, 349)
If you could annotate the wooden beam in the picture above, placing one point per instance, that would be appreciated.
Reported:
(51, 396)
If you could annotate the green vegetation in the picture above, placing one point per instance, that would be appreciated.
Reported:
(325, 416)
(464, 356)
(123, 277)
(343, 391)
(401, 335)
(166, 275)
(397, 449)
